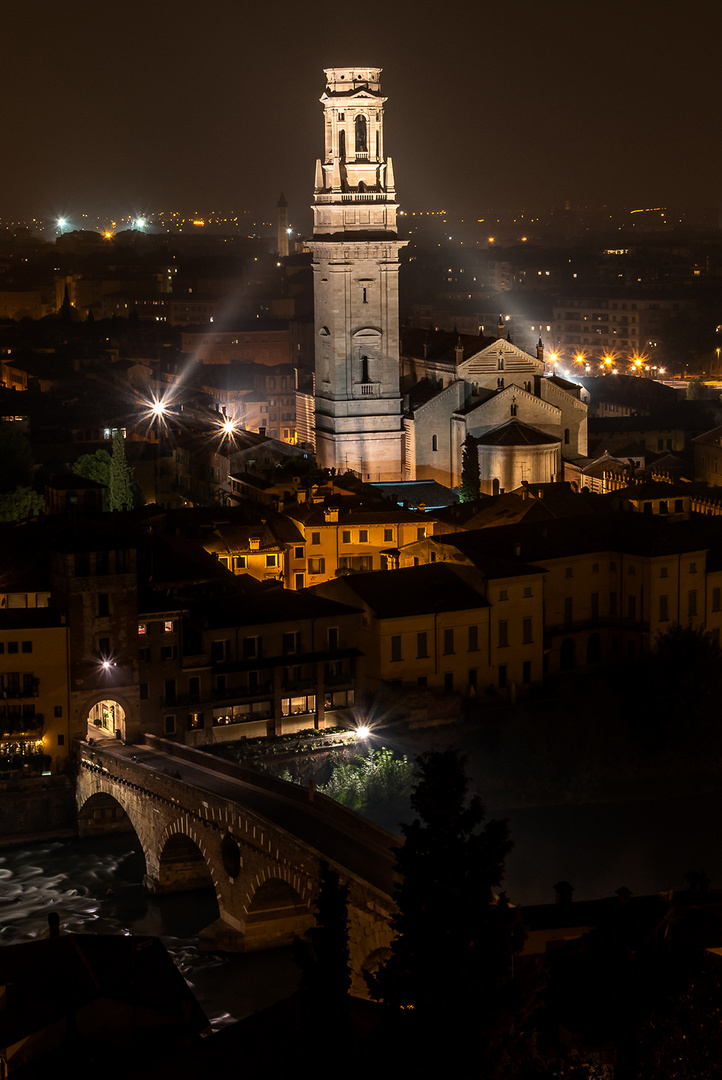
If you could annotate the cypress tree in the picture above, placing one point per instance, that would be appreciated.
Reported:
(470, 478)
(120, 496)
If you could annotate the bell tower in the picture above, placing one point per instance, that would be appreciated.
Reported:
(355, 250)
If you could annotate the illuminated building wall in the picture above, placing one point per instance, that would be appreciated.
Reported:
(355, 250)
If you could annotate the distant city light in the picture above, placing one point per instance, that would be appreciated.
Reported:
(139, 223)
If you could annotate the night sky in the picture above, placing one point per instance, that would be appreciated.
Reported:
(115, 108)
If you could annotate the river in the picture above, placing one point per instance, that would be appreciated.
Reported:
(95, 887)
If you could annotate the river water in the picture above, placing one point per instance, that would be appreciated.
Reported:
(95, 887)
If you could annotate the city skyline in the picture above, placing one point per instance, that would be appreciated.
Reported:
(501, 106)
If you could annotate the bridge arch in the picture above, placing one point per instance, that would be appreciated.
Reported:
(103, 811)
(278, 909)
(184, 860)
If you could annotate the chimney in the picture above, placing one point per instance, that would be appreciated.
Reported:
(500, 327)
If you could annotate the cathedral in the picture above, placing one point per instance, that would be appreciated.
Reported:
(524, 424)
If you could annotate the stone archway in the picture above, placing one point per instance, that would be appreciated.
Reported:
(107, 716)
(106, 713)
(567, 654)
(276, 914)
(182, 866)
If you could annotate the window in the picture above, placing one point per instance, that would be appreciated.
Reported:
(692, 602)
(448, 682)
(421, 532)
(271, 560)
(194, 687)
(632, 571)
(168, 626)
(168, 652)
(61, 740)
(251, 648)
(356, 562)
(144, 656)
(299, 581)
(169, 690)
(220, 650)
(27, 646)
(473, 638)
(332, 638)
(632, 607)
(448, 641)
(298, 553)
(143, 691)
(103, 605)
(346, 536)
(239, 562)
(315, 537)
(103, 646)
(503, 633)
(663, 608)
(693, 568)
(422, 649)
(434, 442)
(717, 599)
(317, 566)
(663, 571)
(527, 591)
(289, 643)
(142, 628)
(58, 710)
(612, 603)
(388, 535)
(526, 671)
(363, 536)
(503, 594)
(170, 725)
(526, 632)
(396, 647)
(12, 646)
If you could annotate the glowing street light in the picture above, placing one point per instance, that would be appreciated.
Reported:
(62, 223)
(362, 731)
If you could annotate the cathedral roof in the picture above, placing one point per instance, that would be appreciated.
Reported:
(516, 433)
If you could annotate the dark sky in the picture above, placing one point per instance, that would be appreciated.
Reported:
(114, 107)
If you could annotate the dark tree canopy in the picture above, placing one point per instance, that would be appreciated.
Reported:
(120, 494)
(451, 964)
(470, 478)
(15, 457)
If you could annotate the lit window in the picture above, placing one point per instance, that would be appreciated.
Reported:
(168, 626)
(142, 628)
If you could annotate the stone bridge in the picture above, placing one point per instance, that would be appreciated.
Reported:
(260, 842)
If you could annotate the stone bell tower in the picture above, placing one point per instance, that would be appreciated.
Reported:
(356, 272)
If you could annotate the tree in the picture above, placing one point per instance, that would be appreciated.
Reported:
(323, 953)
(451, 964)
(20, 504)
(378, 779)
(96, 467)
(470, 479)
(120, 494)
(678, 693)
(15, 456)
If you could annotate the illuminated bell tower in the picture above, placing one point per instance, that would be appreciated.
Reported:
(356, 273)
